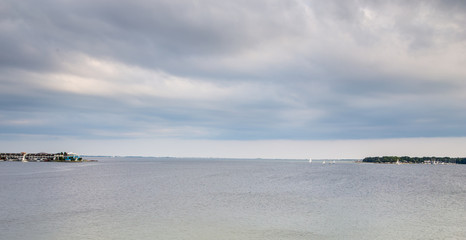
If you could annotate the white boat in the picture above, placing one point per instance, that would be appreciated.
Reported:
(323, 162)
(310, 160)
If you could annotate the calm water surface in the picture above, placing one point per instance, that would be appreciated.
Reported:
(196, 199)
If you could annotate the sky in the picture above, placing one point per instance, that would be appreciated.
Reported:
(255, 78)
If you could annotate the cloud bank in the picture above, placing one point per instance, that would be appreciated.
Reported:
(232, 70)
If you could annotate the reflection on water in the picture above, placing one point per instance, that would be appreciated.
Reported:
(146, 198)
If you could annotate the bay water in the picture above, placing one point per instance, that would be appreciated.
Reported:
(203, 199)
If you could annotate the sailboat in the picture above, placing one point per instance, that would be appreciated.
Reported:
(24, 157)
(310, 160)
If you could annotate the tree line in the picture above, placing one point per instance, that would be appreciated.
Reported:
(406, 159)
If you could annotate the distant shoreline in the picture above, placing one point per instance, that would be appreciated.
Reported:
(414, 160)
(60, 161)
(43, 157)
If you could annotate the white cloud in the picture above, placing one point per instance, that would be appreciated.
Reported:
(86, 75)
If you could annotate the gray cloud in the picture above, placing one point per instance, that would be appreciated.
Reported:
(232, 70)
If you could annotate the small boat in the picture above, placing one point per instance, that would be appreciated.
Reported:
(323, 162)
(310, 160)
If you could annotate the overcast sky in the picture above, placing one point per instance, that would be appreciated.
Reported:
(255, 78)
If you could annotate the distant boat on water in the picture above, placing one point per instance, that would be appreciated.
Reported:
(310, 160)
(323, 162)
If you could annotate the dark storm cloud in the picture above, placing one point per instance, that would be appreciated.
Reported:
(233, 70)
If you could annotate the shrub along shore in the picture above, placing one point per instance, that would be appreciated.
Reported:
(422, 160)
